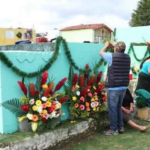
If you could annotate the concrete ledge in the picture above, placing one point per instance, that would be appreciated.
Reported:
(54, 139)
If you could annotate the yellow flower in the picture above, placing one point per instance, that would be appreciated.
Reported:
(92, 99)
(96, 98)
(99, 83)
(94, 109)
(77, 86)
(34, 107)
(38, 102)
(88, 90)
(97, 108)
(48, 104)
(74, 98)
(44, 86)
(44, 111)
(94, 87)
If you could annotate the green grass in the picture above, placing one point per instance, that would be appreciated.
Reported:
(131, 139)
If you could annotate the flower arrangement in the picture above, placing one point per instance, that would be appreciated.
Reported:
(28, 34)
(135, 69)
(40, 104)
(86, 94)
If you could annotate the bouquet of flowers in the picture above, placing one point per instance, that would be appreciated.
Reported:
(40, 104)
(135, 69)
(86, 94)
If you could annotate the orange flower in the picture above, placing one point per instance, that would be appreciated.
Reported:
(87, 104)
(76, 105)
(88, 108)
(41, 113)
(35, 118)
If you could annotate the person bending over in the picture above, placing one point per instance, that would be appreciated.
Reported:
(127, 109)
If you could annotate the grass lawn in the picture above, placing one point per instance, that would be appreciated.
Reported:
(131, 139)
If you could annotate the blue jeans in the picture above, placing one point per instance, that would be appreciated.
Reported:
(114, 101)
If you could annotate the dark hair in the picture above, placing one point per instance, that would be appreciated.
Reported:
(141, 65)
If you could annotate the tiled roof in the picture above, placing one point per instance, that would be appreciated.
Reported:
(86, 26)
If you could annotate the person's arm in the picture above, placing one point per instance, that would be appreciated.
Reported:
(131, 107)
(104, 49)
(125, 110)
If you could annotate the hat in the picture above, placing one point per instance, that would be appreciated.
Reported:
(120, 46)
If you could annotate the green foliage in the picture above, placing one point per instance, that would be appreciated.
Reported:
(131, 49)
(14, 106)
(141, 16)
(24, 100)
(50, 62)
(140, 102)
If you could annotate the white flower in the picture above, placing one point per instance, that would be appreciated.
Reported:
(52, 115)
(136, 68)
(93, 104)
(78, 93)
(29, 116)
(44, 99)
(39, 108)
(58, 105)
(31, 102)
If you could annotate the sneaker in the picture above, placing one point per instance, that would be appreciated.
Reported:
(121, 129)
(111, 132)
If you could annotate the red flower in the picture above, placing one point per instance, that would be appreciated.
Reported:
(60, 84)
(51, 109)
(23, 87)
(44, 78)
(99, 77)
(75, 79)
(63, 99)
(24, 108)
(44, 120)
(87, 66)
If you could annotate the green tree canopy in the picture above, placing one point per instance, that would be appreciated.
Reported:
(141, 16)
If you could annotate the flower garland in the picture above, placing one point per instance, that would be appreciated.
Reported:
(50, 62)
(131, 49)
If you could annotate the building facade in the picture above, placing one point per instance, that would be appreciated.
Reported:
(93, 33)
(8, 36)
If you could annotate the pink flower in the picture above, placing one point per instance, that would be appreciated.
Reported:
(81, 99)
(95, 93)
(90, 94)
(44, 105)
(31, 102)
(93, 104)
(82, 107)
(96, 103)
(54, 103)
(46, 116)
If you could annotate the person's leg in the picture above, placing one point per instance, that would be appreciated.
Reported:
(112, 100)
(134, 125)
(119, 111)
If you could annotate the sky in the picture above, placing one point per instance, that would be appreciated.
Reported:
(52, 15)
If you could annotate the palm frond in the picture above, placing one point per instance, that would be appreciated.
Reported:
(13, 105)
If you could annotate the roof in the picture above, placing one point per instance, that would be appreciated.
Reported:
(86, 26)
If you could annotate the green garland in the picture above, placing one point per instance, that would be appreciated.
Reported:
(139, 44)
(50, 62)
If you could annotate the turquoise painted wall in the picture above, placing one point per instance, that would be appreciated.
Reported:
(29, 58)
(134, 35)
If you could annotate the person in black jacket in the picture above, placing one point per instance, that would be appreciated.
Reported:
(127, 109)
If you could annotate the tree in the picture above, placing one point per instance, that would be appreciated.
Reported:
(141, 16)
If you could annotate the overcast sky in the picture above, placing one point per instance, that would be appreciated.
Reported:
(46, 15)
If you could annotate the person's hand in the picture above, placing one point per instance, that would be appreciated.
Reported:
(131, 109)
(107, 44)
(128, 112)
